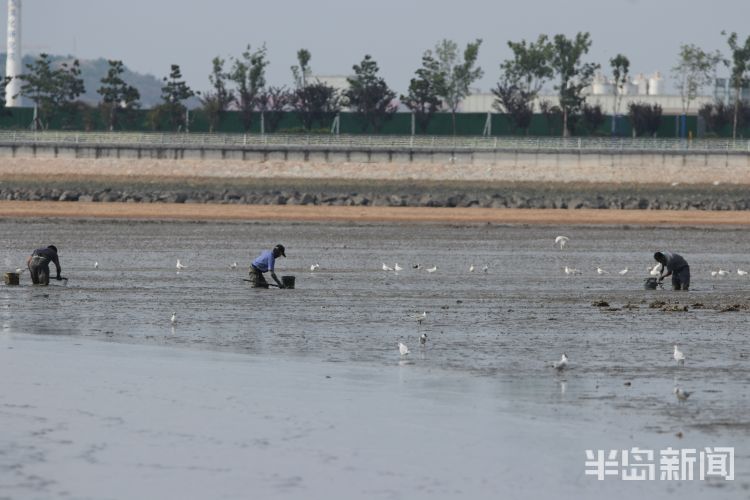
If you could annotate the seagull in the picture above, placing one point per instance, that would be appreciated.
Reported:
(714, 273)
(561, 240)
(421, 317)
(722, 272)
(681, 395)
(485, 268)
(432, 269)
(678, 356)
(423, 339)
(180, 265)
(599, 270)
(403, 349)
(233, 265)
(471, 268)
(314, 267)
(571, 270)
(656, 270)
(96, 265)
(173, 319)
(741, 272)
(562, 364)
(386, 267)
(397, 267)
(19, 270)
(624, 271)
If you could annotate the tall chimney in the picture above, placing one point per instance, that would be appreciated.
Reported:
(13, 61)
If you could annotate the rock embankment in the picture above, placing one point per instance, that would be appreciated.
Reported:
(527, 197)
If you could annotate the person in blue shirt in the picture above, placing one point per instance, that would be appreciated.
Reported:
(38, 264)
(675, 265)
(264, 263)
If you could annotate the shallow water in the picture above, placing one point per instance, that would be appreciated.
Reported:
(506, 325)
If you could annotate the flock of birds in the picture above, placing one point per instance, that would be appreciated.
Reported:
(560, 365)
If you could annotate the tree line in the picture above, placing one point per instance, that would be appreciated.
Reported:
(441, 83)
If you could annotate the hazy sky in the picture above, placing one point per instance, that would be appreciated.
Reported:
(149, 35)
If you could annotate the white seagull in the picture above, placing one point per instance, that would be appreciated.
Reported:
(421, 317)
(233, 265)
(681, 395)
(173, 319)
(471, 268)
(403, 349)
(722, 272)
(562, 364)
(19, 270)
(314, 267)
(180, 265)
(96, 265)
(599, 270)
(423, 339)
(623, 272)
(741, 272)
(561, 240)
(397, 267)
(571, 270)
(432, 269)
(678, 356)
(656, 270)
(485, 268)
(387, 267)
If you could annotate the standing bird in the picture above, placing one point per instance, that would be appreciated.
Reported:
(624, 272)
(423, 339)
(397, 268)
(678, 356)
(485, 268)
(432, 269)
(722, 272)
(403, 349)
(173, 319)
(681, 395)
(421, 317)
(656, 270)
(562, 241)
(314, 267)
(571, 270)
(386, 267)
(180, 265)
(471, 268)
(599, 270)
(96, 265)
(562, 364)
(233, 265)
(741, 272)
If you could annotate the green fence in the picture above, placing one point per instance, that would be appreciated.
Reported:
(467, 124)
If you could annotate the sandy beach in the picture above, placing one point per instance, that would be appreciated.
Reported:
(164, 211)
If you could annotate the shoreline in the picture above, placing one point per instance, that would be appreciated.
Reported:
(311, 213)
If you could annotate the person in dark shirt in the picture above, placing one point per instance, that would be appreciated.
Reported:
(264, 263)
(38, 263)
(675, 265)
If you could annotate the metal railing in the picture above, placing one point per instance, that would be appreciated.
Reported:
(371, 143)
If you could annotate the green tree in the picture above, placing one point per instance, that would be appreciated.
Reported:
(217, 100)
(119, 100)
(249, 74)
(369, 95)
(716, 116)
(645, 118)
(740, 66)
(453, 76)
(593, 118)
(522, 78)
(620, 67)
(422, 98)
(273, 102)
(3, 84)
(573, 74)
(53, 90)
(314, 102)
(174, 92)
(694, 70)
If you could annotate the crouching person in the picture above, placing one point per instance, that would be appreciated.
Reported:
(38, 264)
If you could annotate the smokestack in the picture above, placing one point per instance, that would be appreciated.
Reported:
(13, 62)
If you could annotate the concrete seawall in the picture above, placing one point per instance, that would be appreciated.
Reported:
(320, 162)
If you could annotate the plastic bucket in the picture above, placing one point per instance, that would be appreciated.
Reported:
(650, 283)
(288, 281)
(11, 278)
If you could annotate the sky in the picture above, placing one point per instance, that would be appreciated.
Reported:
(150, 35)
